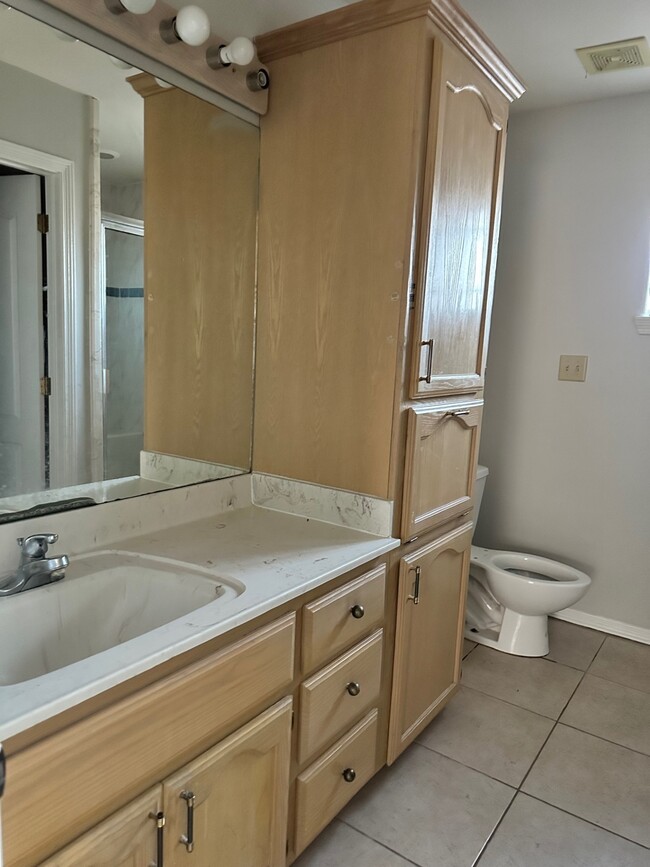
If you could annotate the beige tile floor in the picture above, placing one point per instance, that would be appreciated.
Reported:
(534, 763)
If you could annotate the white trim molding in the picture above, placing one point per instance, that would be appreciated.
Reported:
(642, 324)
(604, 624)
(65, 419)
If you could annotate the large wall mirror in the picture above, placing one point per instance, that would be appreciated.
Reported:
(127, 312)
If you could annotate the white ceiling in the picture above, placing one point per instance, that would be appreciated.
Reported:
(539, 37)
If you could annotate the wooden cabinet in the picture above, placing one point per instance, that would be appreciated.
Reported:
(229, 806)
(428, 640)
(379, 217)
(129, 838)
(65, 784)
(462, 194)
(441, 458)
(325, 787)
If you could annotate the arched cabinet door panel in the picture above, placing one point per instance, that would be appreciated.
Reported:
(461, 213)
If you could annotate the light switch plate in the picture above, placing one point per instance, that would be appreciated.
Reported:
(573, 368)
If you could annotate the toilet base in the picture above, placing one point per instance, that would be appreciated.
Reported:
(519, 634)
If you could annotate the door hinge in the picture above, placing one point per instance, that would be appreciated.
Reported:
(43, 223)
(412, 296)
(46, 386)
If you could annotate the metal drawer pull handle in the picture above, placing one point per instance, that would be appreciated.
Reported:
(349, 775)
(159, 819)
(427, 377)
(353, 688)
(416, 589)
(188, 839)
(454, 413)
(357, 611)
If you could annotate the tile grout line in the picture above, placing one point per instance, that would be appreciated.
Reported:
(379, 843)
(601, 738)
(525, 777)
(588, 821)
(618, 683)
(512, 704)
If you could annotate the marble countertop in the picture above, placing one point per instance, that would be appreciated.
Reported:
(277, 556)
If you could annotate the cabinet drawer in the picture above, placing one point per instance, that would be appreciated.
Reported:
(335, 621)
(322, 790)
(65, 784)
(441, 456)
(334, 697)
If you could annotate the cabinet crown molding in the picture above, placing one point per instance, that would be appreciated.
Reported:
(369, 15)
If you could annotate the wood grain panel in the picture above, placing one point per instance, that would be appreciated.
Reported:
(241, 790)
(328, 625)
(326, 706)
(428, 640)
(126, 839)
(335, 226)
(65, 784)
(458, 246)
(200, 209)
(321, 790)
(356, 18)
(441, 458)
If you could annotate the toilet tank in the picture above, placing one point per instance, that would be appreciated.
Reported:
(481, 476)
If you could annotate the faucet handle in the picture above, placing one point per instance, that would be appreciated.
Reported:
(35, 547)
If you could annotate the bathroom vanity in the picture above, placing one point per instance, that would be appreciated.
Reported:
(244, 724)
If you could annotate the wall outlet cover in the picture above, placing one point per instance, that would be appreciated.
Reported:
(573, 368)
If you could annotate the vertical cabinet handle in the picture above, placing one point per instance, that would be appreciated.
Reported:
(159, 819)
(427, 377)
(188, 838)
(416, 589)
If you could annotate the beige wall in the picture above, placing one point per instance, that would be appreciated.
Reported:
(570, 463)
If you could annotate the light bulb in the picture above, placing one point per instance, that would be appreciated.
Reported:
(138, 7)
(192, 25)
(240, 51)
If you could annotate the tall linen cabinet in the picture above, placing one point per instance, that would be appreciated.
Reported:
(381, 173)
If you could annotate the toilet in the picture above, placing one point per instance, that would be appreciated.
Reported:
(510, 594)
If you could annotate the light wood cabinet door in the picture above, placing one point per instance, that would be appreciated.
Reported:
(240, 793)
(129, 838)
(428, 639)
(441, 457)
(462, 195)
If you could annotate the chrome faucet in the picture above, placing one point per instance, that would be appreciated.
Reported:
(35, 568)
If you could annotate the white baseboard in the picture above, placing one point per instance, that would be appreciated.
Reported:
(605, 624)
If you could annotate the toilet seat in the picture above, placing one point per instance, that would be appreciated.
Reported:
(536, 570)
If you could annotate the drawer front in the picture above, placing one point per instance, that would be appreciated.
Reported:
(62, 786)
(322, 790)
(336, 696)
(441, 457)
(343, 617)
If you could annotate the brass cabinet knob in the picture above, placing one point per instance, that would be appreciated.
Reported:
(357, 611)
(349, 775)
(353, 688)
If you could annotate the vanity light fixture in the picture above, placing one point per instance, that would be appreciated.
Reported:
(190, 25)
(138, 7)
(240, 52)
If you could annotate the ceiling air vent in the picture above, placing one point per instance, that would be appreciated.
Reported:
(629, 54)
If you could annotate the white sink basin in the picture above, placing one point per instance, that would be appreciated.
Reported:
(105, 600)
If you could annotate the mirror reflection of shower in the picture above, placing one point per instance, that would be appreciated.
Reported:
(123, 255)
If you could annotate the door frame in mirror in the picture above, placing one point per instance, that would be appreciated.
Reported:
(63, 306)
